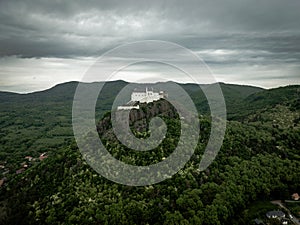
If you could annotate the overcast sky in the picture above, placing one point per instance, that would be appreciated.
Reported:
(46, 42)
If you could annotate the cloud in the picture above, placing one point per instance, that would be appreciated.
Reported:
(31, 74)
(231, 35)
(84, 28)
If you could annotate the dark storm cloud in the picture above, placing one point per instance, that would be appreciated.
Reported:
(243, 41)
(85, 28)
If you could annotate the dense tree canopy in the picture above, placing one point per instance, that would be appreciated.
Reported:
(259, 160)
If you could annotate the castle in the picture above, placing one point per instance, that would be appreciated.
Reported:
(142, 96)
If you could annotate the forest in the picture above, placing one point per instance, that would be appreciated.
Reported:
(259, 161)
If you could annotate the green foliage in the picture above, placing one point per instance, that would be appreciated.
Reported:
(259, 160)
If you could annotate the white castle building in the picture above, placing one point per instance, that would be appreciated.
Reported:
(146, 96)
(142, 96)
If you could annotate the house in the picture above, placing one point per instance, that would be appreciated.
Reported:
(29, 158)
(43, 156)
(285, 221)
(275, 214)
(295, 196)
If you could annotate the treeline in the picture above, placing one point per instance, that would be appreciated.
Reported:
(251, 165)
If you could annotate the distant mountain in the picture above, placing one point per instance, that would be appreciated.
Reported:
(67, 90)
(233, 94)
(64, 93)
(59, 93)
(288, 97)
(241, 100)
(8, 96)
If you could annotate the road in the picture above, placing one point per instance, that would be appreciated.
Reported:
(293, 219)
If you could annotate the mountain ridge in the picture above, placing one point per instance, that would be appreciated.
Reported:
(77, 82)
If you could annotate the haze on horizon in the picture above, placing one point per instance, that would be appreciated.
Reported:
(43, 43)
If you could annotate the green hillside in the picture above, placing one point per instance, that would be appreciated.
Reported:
(288, 97)
(41, 121)
(234, 96)
(259, 160)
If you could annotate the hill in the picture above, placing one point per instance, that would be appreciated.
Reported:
(234, 96)
(287, 97)
(41, 121)
(259, 159)
(256, 161)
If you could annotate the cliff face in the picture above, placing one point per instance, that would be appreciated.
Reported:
(139, 118)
